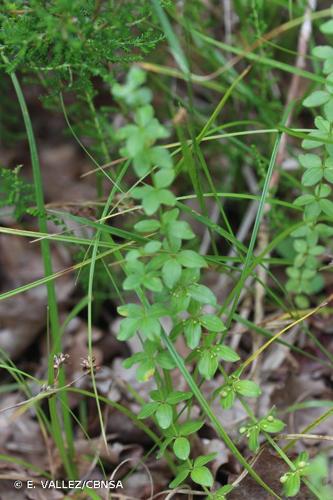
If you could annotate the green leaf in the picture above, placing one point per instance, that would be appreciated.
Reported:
(161, 157)
(171, 272)
(136, 267)
(132, 255)
(204, 459)
(292, 286)
(221, 493)
(163, 178)
(292, 485)
(128, 328)
(317, 98)
(208, 364)
(328, 111)
(156, 395)
(141, 163)
(144, 115)
(324, 230)
(133, 310)
(310, 161)
(271, 424)
(327, 27)
(180, 478)
(318, 469)
(164, 415)
(132, 360)
(153, 283)
(136, 77)
(182, 448)
(227, 354)
(178, 396)
(192, 330)
(316, 250)
(312, 176)
(152, 247)
(212, 323)
(189, 258)
(313, 140)
(323, 51)
(300, 232)
(149, 327)
(135, 142)
(202, 476)
(179, 300)
(254, 438)
(312, 210)
(301, 301)
(180, 229)
(292, 272)
(227, 398)
(202, 294)
(300, 246)
(145, 371)
(323, 190)
(309, 273)
(157, 310)
(247, 388)
(147, 410)
(165, 361)
(151, 202)
(304, 199)
(328, 66)
(131, 282)
(322, 124)
(166, 197)
(147, 226)
(327, 207)
(190, 427)
(328, 174)
(329, 83)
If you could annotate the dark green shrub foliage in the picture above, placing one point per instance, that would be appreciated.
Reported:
(15, 192)
(75, 39)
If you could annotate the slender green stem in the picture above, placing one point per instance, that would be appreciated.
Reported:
(56, 415)
(95, 246)
(210, 414)
(259, 216)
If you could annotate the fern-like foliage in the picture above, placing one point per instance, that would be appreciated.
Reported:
(74, 45)
(15, 192)
(75, 40)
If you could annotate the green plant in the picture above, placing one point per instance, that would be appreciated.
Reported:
(292, 480)
(68, 46)
(15, 192)
(65, 45)
(318, 474)
(197, 470)
(72, 41)
(167, 299)
(304, 279)
(315, 470)
(165, 273)
(269, 423)
(221, 493)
